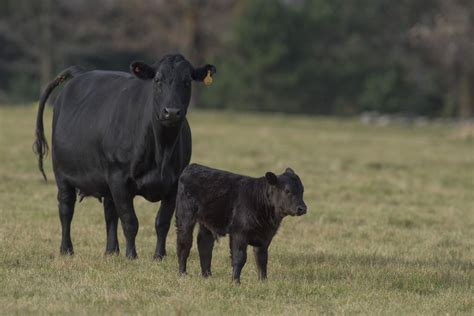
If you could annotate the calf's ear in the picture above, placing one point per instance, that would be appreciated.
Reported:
(271, 178)
(142, 71)
(204, 74)
(289, 170)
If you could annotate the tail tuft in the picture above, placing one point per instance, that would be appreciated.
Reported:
(41, 149)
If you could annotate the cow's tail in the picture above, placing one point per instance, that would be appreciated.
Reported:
(40, 146)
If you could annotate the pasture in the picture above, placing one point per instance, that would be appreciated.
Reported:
(389, 229)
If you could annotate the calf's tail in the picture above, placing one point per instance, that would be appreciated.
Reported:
(40, 146)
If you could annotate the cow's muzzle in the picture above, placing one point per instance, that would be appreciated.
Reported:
(172, 114)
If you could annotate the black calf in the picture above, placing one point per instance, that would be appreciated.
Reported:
(249, 209)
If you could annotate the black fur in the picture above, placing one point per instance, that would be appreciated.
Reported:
(115, 137)
(249, 209)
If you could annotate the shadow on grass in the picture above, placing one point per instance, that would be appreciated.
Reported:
(414, 276)
(373, 260)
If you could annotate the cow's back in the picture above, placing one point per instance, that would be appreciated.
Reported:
(100, 101)
(97, 117)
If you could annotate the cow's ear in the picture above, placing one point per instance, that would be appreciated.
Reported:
(272, 179)
(204, 74)
(289, 170)
(142, 70)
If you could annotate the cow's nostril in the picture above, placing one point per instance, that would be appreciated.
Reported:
(178, 113)
(165, 111)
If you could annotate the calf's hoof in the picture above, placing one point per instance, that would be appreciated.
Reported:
(112, 252)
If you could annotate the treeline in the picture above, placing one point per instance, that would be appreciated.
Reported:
(302, 56)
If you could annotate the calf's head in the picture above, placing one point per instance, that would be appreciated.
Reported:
(286, 193)
(171, 78)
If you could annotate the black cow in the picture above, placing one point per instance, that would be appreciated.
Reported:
(249, 209)
(117, 135)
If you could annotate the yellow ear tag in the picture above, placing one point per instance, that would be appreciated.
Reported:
(208, 79)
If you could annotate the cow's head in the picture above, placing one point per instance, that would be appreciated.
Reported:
(171, 78)
(286, 193)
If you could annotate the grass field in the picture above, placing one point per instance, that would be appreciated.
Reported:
(390, 227)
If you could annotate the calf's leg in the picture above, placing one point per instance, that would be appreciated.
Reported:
(261, 258)
(67, 200)
(185, 221)
(111, 223)
(205, 241)
(238, 244)
(184, 240)
(162, 225)
(184, 243)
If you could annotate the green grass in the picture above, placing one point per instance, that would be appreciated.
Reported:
(390, 227)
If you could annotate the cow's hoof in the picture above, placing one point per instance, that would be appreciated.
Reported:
(66, 251)
(206, 274)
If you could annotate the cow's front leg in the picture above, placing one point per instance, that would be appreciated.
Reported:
(123, 202)
(162, 225)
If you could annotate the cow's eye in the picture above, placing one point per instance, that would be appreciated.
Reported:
(158, 77)
(287, 191)
(158, 84)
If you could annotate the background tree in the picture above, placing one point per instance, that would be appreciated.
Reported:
(299, 56)
(324, 56)
(447, 38)
(197, 29)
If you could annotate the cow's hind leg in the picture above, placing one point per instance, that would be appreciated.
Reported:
(162, 225)
(205, 241)
(67, 200)
(123, 202)
(111, 222)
